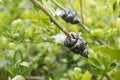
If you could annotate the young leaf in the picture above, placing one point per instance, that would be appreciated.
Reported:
(17, 57)
(31, 32)
(26, 64)
(87, 76)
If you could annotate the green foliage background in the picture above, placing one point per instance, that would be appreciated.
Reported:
(28, 47)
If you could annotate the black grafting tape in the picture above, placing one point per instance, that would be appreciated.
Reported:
(77, 44)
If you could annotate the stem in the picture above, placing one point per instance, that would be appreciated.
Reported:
(36, 3)
(103, 73)
(85, 27)
(60, 6)
(102, 42)
(81, 11)
(107, 77)
(59, 25)
(34, 78)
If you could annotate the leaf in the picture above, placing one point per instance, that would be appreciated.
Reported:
(24, 70)
(97, 33)
(111, 67)
(87, 76)
(31, 31)
(104, 59)
(113, 53)
(26, 64)
(116, 75)
(18, 77)
(12, 70)
(94, 62)
(76, 73)
(29, 15)
(17, 57)
(98, 71)
(38, 23)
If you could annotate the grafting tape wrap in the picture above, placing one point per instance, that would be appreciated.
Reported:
(77, 44)
(70, 16)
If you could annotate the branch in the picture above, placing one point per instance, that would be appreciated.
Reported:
(85, 27)
(82, 22)
(107, 77)
(36, 3)
(81, 11)
(34, 78)
(102, 42)
(60, 6)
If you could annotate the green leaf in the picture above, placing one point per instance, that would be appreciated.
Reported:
(104, 59)
(76, 73)
(12, 70)
(17, 57)
(24, 70)
(116, 75)
(113, 53)
(97, 33)
(31, 31)
(94, 62)
(98, 71)
(87, 76)
(26, 64)
(27, 15)
(111, 67)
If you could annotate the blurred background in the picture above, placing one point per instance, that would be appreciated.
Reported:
(31, 46)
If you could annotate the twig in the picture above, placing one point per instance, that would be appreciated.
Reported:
(60, 6)
(85, 27)
(107, 77)
(59, 25)
(102, 42)
(88, 30)
(81, 12)
(36, 3)
(104, 74)
(82, 22)
(34, 78)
